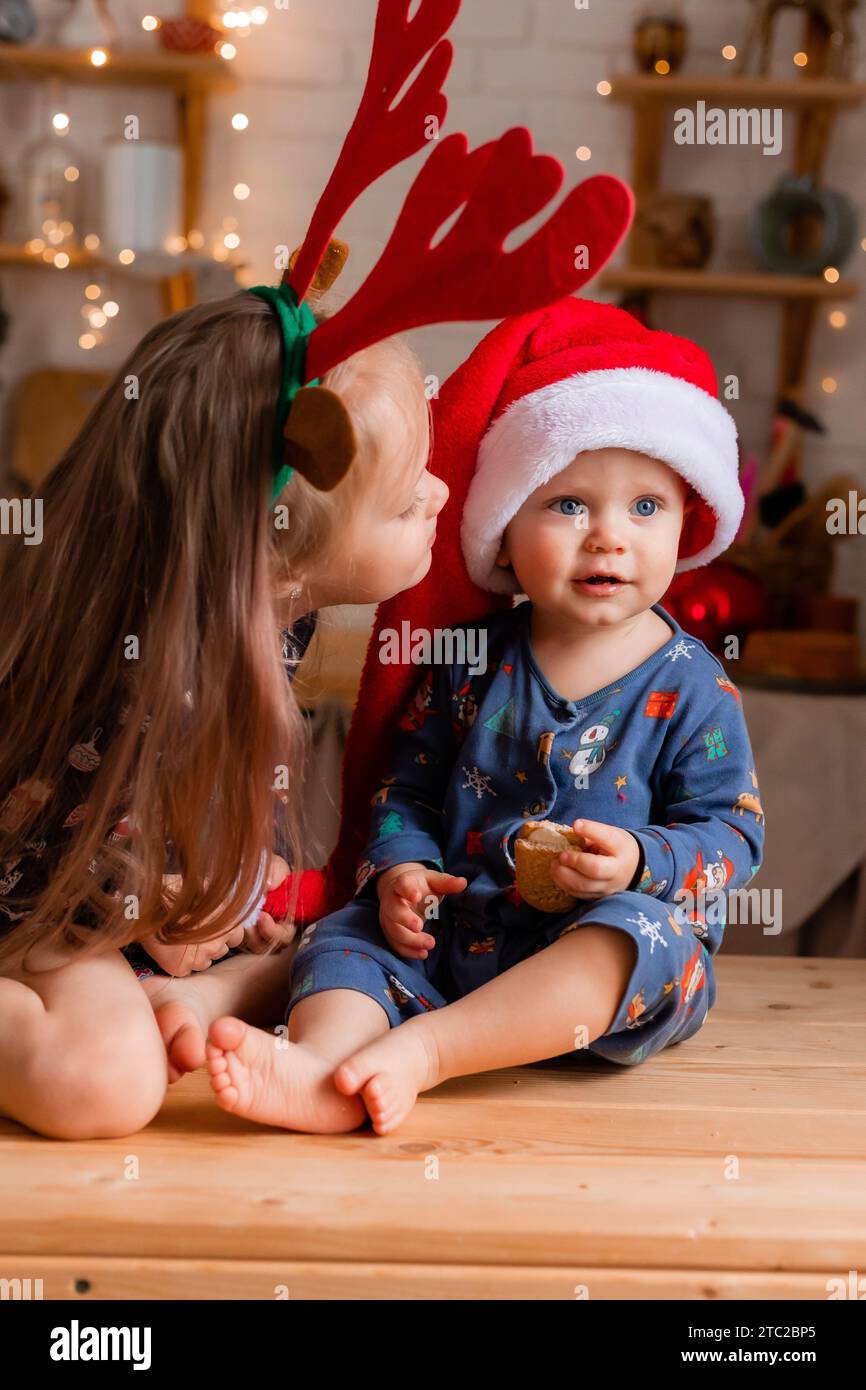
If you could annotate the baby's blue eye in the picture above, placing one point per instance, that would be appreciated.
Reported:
(646, 502)
(569, 506)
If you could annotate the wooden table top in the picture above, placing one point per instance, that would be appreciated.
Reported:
(732, 1165)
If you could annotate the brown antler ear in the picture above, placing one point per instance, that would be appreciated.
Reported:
(331, 264)
(320, 439)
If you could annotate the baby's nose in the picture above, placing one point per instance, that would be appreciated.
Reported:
(439, 493)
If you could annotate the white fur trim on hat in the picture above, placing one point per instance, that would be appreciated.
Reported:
(623, 407)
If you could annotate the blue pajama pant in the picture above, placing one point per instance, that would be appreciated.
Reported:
(668, 996)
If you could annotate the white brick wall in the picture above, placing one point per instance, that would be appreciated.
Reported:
(517, 61)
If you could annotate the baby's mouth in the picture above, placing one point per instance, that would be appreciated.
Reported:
(600, 580)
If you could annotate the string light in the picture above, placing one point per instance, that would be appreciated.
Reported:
(92, 291)
(227, 51)
(110, 308)
(729, 52)
(60, 121)
(231, 240)
(829, 385)
(195, 239)
(241, 191)
(663, 67)
(98, 57)
(831, 275)
(92, 242)
(583, 152)
(240, 121)
(603, 88)
(126, 256)
(36, 245)
(70, 173)
(801, 59)
(87, 341)
(259, 14)
(150, 22)
(61, 260)
(838, 318)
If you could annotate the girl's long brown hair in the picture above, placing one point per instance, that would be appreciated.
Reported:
(151, 596)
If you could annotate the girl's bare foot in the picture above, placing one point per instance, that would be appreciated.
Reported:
(261, 1076)
(182, 1017)
(391, 1071)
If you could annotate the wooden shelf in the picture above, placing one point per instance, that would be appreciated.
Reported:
(816, 100)
(129, 67)
(190, 78)
(636, 88)
(742, 284)
(146, 266)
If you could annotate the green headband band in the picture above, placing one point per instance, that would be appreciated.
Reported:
(296, 324)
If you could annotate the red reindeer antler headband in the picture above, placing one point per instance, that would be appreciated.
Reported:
(466, 276)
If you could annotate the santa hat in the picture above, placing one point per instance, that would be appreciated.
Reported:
(589, 376)
(537, 390)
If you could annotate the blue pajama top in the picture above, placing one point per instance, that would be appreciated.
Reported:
(663, 752)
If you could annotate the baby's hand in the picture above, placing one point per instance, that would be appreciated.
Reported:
(401, 893)
(608, 866)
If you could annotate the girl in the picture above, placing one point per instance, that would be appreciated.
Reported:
(143, 698)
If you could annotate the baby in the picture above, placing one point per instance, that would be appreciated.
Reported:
(596, 710)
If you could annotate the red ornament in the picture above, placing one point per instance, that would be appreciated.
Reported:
(185, 34)
(717, 601)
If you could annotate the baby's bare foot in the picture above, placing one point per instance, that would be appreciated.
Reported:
(391, 1071)
(277, 1085)
(182, 1018)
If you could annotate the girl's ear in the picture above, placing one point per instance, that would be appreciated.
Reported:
(320, 437)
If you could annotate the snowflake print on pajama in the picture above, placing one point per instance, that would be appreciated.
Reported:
(496, 749)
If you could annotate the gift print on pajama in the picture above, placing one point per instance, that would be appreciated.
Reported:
(663, 753)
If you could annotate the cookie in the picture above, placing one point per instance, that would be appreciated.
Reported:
(535, 849)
